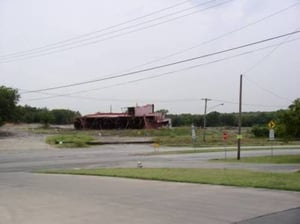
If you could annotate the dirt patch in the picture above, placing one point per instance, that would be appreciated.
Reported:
(18, 137)
(21, 137)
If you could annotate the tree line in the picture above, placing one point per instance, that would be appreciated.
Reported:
(11, 112)
(28, 114)
(216, 119)
(288, 121)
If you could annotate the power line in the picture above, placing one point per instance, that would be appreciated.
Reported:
(187, 49)
(175, 100)
(178, 100)
(48, 51)
(52, 95)
(266, 90)
(246, 104)
(136, 80)
(97, 31)
(268, 54)
(165, 65)
(193, 47)
(220, 36)
(81, 43)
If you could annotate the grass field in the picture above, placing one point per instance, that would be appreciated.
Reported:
(282, 159)
(179, 136)
(229, 177)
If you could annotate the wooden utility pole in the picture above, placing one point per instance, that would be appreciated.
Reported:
(239, 137)
(204, 118)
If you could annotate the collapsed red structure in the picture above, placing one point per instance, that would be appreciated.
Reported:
(139, 117)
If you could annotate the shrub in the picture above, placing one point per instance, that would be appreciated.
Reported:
(260, 131)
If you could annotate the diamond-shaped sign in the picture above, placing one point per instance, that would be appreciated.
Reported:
(271, 124)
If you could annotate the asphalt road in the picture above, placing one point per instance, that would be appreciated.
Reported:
(125, 156)
(27, 198)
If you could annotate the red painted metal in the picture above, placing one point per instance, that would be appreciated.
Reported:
(138, 117)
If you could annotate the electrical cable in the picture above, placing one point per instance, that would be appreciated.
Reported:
(65, 48)
(176, 53)
(97, 31)
(266, 90)
(164, 65)
(52, 95)
(247, 104)
(183, 100)
(268, 54)
(210, 40)
(220, 36)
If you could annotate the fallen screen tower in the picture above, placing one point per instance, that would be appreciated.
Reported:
(134, 118)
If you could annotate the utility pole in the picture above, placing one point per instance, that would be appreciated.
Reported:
(239, 137)
(204, 118)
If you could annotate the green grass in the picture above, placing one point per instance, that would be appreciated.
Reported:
(241, 178)
(179, 136)
(282, 159)
(69, 140)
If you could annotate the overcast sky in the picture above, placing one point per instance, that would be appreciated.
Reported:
(52, 43)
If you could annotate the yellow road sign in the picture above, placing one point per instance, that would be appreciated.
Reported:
(271, 124)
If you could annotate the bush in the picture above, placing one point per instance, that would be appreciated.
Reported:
(260, 131)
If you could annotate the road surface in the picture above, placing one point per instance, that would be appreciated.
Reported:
(28, 198)
(126, 156)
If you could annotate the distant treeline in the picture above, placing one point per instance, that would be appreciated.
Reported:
(216, 119)
(287, 121)
(28, 114)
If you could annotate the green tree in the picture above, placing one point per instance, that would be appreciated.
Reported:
(228, 119)
(45, 117)
(8, 99)
(289, 121)
(62, 116)
(213, 119)
(27, 114)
